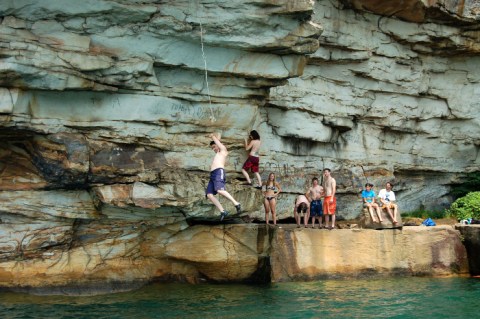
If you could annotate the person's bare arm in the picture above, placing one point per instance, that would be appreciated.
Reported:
(248, 144)
(216, 138)
(334, 188)
(278, 188)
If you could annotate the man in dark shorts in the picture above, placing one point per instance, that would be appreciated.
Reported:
(314, 195)
(217, 177)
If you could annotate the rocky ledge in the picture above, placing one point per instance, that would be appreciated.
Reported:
(105, 256)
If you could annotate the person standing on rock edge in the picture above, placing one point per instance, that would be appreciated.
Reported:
(387, 197)
(217, 177)
(272, 190)
(329, 202)
(253, 145)
(314, 195)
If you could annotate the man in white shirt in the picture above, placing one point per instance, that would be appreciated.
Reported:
(387, 199)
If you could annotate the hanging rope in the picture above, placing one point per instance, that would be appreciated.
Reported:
(212, 115)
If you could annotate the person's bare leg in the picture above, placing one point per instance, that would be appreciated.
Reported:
(327, 220)
(306, 218)
(333, 220)
(395, 214)
(266, 205)
(228, 196)
(215, 201)
(389, 211)
(370, 210)
(259, 178)
(273, 207)
(379, 213)
(297, 218)
(244, 172)
(313, 222)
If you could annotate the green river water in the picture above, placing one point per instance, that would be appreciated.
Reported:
(373, 298)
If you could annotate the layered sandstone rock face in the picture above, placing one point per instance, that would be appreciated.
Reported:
(105, 107)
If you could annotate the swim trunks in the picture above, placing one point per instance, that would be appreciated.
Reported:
(388, 205)
(329, 208)
(251, 163)
(217, 181)
(316, 208)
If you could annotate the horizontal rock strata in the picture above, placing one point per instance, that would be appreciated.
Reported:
(106, 108)
(83, 255)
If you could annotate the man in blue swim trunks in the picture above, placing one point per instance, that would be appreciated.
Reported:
(217, 177)
(314, 196)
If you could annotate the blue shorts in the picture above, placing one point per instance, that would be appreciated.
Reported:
(316, 208)
(217, 181)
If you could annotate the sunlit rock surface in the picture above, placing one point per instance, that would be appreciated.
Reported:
(105, 109)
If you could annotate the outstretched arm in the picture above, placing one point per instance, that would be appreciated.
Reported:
(216, 138)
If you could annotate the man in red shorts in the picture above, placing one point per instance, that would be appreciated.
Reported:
(329, 202)
(253, 145)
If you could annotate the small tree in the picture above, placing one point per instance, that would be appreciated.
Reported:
(466, 207)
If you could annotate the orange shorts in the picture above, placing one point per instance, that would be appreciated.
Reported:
(329, 208)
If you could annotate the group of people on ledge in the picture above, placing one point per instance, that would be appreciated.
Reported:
(306, 206)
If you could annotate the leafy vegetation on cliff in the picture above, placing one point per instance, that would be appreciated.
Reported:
(466, 207)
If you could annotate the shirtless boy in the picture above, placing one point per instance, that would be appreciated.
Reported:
(302, 206)
(329, 202)
(314, 195)
(217, 177)
(253, 145)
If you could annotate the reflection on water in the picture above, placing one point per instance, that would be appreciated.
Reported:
(387, 298)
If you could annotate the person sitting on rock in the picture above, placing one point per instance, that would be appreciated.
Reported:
(253, 144)
(387, 198)
(302, 206)
(217, 177)
(368, 197)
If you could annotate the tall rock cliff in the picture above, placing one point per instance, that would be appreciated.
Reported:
(105, 107)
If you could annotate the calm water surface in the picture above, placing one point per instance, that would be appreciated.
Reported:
(387, 298)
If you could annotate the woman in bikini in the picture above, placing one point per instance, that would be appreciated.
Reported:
(271, 189)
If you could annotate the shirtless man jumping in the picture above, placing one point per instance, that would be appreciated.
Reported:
(314, 195)
(217, 177)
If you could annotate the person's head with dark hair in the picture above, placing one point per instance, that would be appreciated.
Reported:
(254, 135)
(302, 208)
(214, 147)
(326, 172)
(368, 185)
(389, 185)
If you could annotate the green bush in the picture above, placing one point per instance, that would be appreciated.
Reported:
(466, 207)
